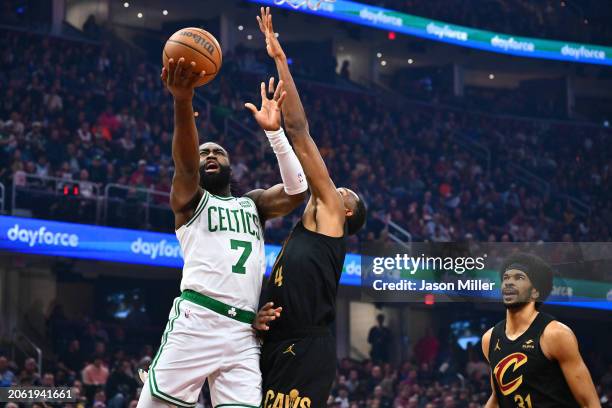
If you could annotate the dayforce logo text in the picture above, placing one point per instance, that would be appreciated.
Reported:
(156, 249)
(42, 236)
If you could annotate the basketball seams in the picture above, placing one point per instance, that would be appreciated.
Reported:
(198, 51)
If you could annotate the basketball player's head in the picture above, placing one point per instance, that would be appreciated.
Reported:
(215, 170)
(526, 279)
(354, 208)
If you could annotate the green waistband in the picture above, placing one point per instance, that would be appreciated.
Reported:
(232, 312)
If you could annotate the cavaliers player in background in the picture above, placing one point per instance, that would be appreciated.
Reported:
(298, 359)
(534, 359)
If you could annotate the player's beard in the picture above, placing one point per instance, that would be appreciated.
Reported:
(521, 301)
(216, 183)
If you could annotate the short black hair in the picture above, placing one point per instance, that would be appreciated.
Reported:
(357, 220)
(538, 270)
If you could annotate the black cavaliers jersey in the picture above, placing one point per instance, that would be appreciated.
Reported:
(304, 281)
(522, 375)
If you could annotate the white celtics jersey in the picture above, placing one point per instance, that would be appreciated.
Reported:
(223, 249)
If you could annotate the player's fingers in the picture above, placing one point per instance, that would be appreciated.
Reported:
(271, 85)
(171, 71)
(280, 100)
(188, 69)
(178, 75)
(264, 97)
(196, 77)
(261, 24)
(164, 74)
(278, 90)
(253, 110)
(270, 25)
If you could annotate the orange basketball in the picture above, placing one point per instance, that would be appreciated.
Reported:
(197, 45)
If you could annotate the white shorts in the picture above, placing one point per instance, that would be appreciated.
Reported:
(200, 344)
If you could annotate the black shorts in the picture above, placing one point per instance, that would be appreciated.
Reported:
(301, 367)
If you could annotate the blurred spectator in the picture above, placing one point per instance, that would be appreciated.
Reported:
(6, 375)
(426, 349)
(380, 338)
(95, 373)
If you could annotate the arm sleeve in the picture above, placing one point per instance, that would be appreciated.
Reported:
(294, 180)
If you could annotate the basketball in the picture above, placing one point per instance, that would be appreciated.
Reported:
(197, 45)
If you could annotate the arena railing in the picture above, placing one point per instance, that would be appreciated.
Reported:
(42, 193)
(27, 347)
(130, 206)
(236, 131)
(394, 232)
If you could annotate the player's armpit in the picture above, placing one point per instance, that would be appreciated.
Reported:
(184, 198)
(559, 343)
(275, 202)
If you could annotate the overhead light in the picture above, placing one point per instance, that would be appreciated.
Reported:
(276, 35)
(126, 4)
(139, 15)
(379, 55)
(562, 4)
(410, 61)
(249, 37)
(165, 12)
(383, 63)
(240, 27)
(491, 76)
(586, 21)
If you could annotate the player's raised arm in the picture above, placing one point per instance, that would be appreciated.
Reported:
(283, 198)
(559, 343)
(296, 124)
(180, 80)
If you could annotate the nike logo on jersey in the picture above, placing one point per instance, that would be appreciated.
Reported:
(497, 348)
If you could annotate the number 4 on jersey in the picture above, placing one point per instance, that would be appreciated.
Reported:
(278, 277)
(238, 267)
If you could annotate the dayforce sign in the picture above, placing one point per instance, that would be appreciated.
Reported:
(54, 238)
(391, 20)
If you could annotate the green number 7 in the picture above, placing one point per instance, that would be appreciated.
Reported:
(248, 248)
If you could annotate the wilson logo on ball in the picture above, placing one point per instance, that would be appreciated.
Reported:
(198, 39)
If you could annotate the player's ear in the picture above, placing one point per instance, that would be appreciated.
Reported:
(535, 294)
(348, 212)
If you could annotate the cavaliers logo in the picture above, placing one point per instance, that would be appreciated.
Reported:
(291, 400)
(514, 361)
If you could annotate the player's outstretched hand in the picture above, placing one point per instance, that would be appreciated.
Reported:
(268, 117)
(265, 25)
(180, 78)
(265, 315)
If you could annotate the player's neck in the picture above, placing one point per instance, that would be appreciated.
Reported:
(519, 320)
(222, 192)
